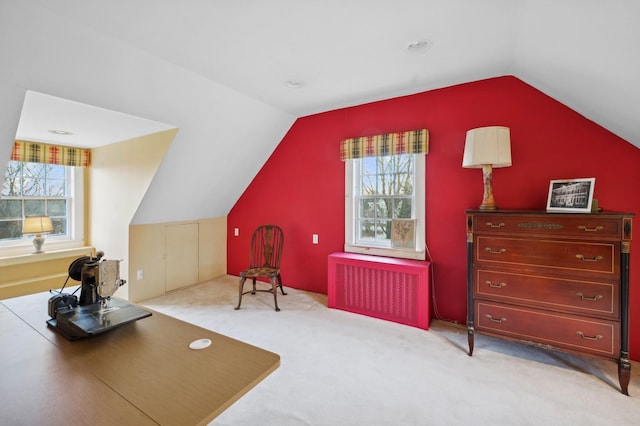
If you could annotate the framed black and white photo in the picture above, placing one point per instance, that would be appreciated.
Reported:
(571, 195)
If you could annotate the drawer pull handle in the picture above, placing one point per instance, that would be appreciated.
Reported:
(500, 251)
(596, 229)
(501, 319)
(492, 285)
(492, 225)
(589, 259)
(594, 298)
(593, 338)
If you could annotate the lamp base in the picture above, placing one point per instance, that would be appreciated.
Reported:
(38, 242)
(488, 207)
(487, 199)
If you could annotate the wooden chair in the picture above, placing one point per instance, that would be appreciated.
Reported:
(264, 261)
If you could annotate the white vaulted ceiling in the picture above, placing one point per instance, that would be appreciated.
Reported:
(584, 53)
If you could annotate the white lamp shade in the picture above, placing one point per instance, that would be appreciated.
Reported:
(37, 225)
(487, 146)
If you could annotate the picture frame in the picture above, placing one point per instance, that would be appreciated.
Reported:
(403, 233)
(571, 195)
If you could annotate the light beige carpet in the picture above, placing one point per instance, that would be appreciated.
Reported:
(339, 368)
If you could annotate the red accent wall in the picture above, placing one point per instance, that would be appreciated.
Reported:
(301, 186)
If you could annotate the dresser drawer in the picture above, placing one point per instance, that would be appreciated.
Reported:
(558, 294)
(554, 254)
(598, 337)
(553, 225)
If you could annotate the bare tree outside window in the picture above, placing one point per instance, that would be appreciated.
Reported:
(33, 189)
(386, 192)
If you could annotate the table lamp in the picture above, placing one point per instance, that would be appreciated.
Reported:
(486, 148)
(37, 225)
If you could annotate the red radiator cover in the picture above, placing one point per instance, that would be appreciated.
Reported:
(387, 288)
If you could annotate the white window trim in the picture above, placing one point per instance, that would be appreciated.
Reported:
(420, 211)
(75, 239)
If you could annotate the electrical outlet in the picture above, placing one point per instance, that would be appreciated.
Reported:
(315, 238)
(140, 274)
(236, 231)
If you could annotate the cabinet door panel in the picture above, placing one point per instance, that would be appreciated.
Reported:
(182, 255)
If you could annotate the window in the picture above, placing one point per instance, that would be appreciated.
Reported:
(385, 212)
(36, 189)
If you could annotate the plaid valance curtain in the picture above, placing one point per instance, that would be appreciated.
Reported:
(35, 152)
(411, 142)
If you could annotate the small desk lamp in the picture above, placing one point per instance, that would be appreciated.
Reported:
(37, 225)
(487, 147)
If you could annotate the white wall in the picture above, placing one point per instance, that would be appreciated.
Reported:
(119, 176)
(224, 137)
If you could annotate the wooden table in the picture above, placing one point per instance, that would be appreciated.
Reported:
(141, 373)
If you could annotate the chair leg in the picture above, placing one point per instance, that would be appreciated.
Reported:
(280, 283)
(274, 290)
(241, 287)
(254, 286)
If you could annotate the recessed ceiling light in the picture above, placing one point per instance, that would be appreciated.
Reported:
(419, 45)
(294, 84)
(60, 132)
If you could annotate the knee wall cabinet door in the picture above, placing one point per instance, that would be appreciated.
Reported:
(554, 280)
(182, 255)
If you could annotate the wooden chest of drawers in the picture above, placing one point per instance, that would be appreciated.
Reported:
(555, 280)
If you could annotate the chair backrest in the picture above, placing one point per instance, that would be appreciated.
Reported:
(266, 247)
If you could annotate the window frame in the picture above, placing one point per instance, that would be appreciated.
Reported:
(352, 198)
(74, 237)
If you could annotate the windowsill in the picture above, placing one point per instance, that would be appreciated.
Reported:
(47, 255)
(385, 252)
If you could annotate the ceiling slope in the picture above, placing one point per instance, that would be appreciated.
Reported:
(217, 69)
(584, 53)
(221, 131)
